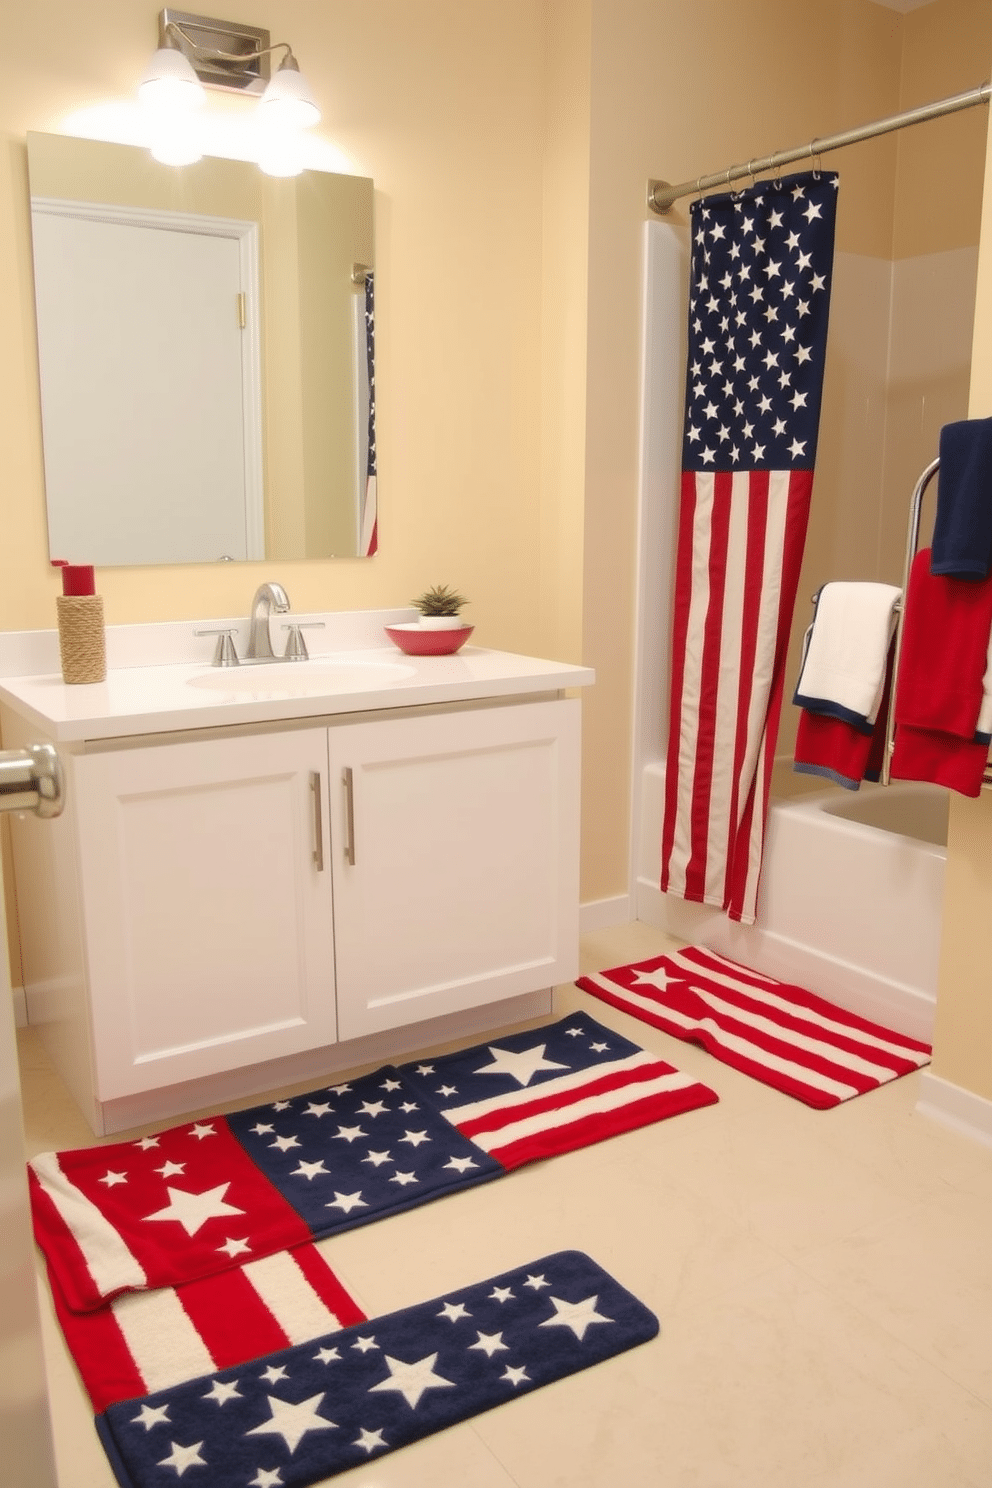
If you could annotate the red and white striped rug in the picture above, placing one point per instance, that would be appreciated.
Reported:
(776, 1032)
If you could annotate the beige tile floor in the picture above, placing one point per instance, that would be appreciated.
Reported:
(823, 1282)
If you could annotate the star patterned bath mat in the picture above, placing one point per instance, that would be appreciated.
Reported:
(776, 1032)
(208, 1195)
(307, 1413)
(551, 1090)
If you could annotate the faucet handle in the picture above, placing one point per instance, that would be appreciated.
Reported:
(225, 654)
(296, 646)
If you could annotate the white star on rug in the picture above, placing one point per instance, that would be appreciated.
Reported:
(347, 1202)
(658, 978)
(292, 1422)
(183, 1457)
(193, 1210)
(235, 1247)
(461, 1164)
(111, 1179)
(309, 1169)
(145, 1142)
(285, 1143)
(448, 1090)
(575, 1032)
(490, 1343)
(454, 1311)
(424, 1069)
(350, 1133)
(521, 1067)
(409, 1106)
(500, 1294)
(324, 1109)
(412, 1380)
(151, 1415)
(221, 1392)
(575, 1315)
(536, 1282)
(377, 1158)
(369, 1440)
(274, 1373)
(391, 1085)
(261, 1128)
(281, 1105)
(364, 1344)
(269, 1477)
(599, 1048)
(200, 1131)
(404, 1178)
(415, 1138)
(514, 1376)
(327, 1355)
(171, 1169)
(372, 1108)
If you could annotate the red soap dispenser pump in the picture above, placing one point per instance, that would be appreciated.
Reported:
(82, 640)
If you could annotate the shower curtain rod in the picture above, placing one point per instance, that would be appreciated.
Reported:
(661, 195)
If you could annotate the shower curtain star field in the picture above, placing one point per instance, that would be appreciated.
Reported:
(758, 308)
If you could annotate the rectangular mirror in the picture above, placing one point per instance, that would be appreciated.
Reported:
(206, 355)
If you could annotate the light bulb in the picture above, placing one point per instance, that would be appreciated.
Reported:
(287, 102)
(170, 85)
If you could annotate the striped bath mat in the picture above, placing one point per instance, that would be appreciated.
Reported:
(774, 1031)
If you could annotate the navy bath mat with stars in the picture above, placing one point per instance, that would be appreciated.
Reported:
(307, 1413)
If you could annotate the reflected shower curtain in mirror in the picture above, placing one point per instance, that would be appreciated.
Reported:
(758, 310)
(369, 538)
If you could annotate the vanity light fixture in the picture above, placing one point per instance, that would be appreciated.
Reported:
(195, 52)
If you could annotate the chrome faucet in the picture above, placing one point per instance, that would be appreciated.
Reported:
(268, 597)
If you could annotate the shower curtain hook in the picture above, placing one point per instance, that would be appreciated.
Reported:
(814, 156)
(733, 194)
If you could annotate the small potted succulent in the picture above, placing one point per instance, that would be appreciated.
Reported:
(439, 608)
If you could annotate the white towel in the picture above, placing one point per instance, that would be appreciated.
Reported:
(843, 670)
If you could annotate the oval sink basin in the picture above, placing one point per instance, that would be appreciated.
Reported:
(303, 678)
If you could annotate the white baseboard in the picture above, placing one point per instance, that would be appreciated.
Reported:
(20, 1007)
(605, 914)
(962, 1110)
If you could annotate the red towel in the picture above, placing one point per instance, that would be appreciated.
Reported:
(841, 751)
(925, 754)
(944, 652)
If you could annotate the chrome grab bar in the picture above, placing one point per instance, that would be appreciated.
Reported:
(32, 779)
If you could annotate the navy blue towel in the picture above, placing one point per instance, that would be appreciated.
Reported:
(962, 533)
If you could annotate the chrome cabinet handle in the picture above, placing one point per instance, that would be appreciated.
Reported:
(318, 825)
(348, 778)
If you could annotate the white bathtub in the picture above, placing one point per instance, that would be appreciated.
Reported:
(849, 903)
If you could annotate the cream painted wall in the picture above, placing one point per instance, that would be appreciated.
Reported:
(962, 1052)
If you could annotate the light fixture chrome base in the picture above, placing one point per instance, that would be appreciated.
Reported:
(200, 37)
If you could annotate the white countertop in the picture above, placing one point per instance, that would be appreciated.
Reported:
(171, 694)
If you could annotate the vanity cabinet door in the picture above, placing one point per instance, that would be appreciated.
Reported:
(455, 860)
(207, 916)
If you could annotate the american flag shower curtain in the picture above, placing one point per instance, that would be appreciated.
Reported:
(758, 305)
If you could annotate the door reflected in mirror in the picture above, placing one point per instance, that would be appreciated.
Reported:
(206, 356)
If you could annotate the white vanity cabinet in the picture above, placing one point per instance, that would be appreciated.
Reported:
(215, 900)
(266, 877)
